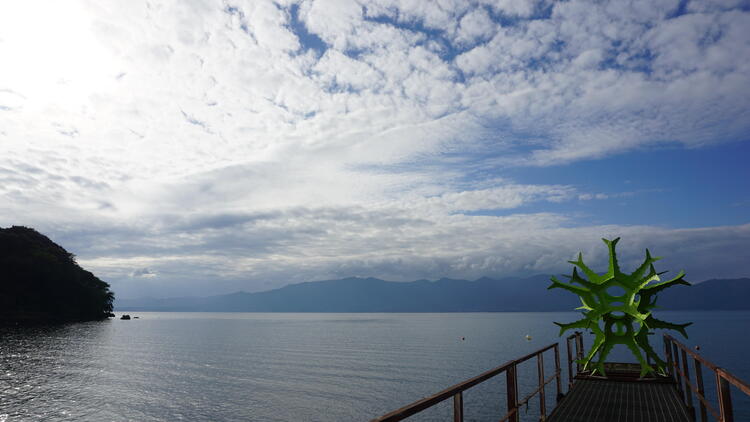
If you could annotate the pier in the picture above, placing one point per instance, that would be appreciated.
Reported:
(622, 396)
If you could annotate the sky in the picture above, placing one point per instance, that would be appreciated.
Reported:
(203, 147)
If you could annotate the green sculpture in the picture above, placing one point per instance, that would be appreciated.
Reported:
(625, 319)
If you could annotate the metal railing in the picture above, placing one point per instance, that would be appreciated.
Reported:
(677, 362)
(511, 377)
(578, 340)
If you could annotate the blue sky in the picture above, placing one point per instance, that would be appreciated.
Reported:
(203, 147)
(670, 186)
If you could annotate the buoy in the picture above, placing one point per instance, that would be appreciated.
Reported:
(528, 337)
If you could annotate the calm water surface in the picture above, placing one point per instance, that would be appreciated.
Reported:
(294, 367)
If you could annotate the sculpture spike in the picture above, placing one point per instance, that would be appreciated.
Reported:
(635, 311)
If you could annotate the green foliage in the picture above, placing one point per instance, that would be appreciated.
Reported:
(619, 319)
(40, 281)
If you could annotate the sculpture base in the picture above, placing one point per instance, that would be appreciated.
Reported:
(619, 371)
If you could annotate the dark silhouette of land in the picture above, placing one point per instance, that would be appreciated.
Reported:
(40, 282)
(445, 295)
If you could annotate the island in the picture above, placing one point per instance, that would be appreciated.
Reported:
(41, 282)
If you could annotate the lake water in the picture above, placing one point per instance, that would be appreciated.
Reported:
(296, 367)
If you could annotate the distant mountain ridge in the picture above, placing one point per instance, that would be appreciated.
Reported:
(444, 295)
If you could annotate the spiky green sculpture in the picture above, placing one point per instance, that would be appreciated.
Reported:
(625, 319)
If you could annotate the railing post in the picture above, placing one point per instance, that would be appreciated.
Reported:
(540, 372)
(579, 351)
(676, 369)
(724, 380)
(688, 390)
(668, 354)
(512, 392)
(701, 391)
(725, 399)
(458, 407)
(558, 372)
(570, 364)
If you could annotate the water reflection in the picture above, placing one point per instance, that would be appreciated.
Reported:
(284, 367)
(41, 368)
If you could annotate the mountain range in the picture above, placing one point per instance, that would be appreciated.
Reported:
(444, 295)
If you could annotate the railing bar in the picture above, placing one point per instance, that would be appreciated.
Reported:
(723, 380)
(511, 383)
(701, 398)
(558, 374)
(540, 373)
(430, 401)
(701, 391)
(508, 415)
(741, 385)
(692, 387)
(570, 364)
(707, 405)
(531, 355)
(534, 393)
(579, 351)
(689, 396)
(695, 356)
(677, 370)
(668, 353)
(725, 398)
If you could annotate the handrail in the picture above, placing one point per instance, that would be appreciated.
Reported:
(456, 391)
(578, 339)
(722, 376)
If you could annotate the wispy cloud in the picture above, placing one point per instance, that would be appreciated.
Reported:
(143, 273)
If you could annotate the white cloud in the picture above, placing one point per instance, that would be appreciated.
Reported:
(143, 273)
(257, 252)
(133, 121)
(521, 8)
(475, 26)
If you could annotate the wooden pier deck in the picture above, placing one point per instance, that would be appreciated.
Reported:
(678, 396)
(620, 401)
